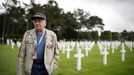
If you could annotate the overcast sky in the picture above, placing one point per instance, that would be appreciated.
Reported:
(116, 14)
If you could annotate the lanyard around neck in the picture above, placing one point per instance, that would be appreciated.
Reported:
(39, 39)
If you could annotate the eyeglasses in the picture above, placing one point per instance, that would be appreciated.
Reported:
(37, 20)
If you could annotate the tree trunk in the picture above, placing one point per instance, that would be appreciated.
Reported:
(3, 31)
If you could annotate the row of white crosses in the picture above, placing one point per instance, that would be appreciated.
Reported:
(104, 47)
(69, 46)
(114, 46)
(11, 43)
(85, 45)
(64, 46)
(88, 47)
(130, 45)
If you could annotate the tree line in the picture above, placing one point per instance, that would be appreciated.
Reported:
(16, 20)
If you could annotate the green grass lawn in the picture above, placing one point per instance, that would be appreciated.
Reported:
(91, 65)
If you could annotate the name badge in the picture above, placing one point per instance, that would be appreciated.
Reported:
(34, 54)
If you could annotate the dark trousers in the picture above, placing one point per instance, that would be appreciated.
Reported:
(38, 68)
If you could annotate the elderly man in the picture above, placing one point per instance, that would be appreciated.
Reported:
(38, 53)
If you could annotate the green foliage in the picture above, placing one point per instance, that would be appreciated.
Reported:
(106, 35)
(95, 35)
(17, 19)
(94, 21)
(1, 27)
(130, 36)
(81, 17)
(85, 35)
(14, 24)
(115, 36)
(88, 35)
(125, 35)
(69, 27)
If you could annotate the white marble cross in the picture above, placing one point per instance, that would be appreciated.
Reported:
(7, 42)
(117, 44)
(100, 48)
(123, 51)
(68, 52)
(72, 44)
(113, 48)
(63, 48)
(79, 55)
(86, 50)
(12, 45)
(131, 47)
(108, 45)
(105, 53)
(18, 44)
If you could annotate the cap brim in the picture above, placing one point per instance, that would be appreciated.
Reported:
(33, 18)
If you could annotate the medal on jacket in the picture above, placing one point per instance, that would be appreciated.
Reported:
(34, 57)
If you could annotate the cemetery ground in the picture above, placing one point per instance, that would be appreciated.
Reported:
(91, 64)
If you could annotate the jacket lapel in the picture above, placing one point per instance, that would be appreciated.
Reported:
(33, 35)
(46, 37)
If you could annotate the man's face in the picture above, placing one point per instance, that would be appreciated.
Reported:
(39, 24)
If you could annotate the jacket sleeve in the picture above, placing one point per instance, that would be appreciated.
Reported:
(56, 53)
(21, 58)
